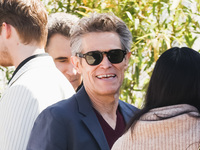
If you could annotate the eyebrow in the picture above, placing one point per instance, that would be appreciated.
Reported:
(61, 58)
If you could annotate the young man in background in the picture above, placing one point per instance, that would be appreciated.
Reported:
(58, 45)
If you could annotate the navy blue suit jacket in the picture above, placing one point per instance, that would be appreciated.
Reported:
(72, 125)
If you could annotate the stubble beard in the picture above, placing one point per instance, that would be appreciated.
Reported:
(5, 58)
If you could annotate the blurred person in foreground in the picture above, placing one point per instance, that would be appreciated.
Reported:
(58, 45)
(36, 82)
(94, 117)
(170, 118)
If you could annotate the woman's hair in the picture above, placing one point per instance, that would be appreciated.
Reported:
(175, 80)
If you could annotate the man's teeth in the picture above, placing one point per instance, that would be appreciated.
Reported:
(105, 76)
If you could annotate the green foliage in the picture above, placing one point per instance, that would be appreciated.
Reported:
(156, 25)
(6, 74)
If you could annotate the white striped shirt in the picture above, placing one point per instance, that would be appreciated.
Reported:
(36, 85)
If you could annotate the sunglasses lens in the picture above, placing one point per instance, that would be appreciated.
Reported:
(115, 56)
(93, 58)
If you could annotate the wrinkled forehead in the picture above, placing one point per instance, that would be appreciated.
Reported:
(101, 41)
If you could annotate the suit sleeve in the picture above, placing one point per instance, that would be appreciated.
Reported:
(48, 133)
(18, 111)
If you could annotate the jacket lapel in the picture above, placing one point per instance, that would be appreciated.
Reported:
(89, 118)
(127, 114)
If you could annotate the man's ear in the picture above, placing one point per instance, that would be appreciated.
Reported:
(6, 30)
(76, 63)
(127, 57)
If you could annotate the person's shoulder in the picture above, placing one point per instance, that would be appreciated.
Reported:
(62, 108)
(65, 103)
(19, 92)
(124, 142)
(19, 97)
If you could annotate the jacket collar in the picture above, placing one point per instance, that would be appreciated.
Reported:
(29, 63)
(89, 118)
(127, 112)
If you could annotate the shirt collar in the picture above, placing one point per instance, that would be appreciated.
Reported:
(25, 61)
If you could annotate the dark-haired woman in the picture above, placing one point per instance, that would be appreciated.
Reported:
(170, 118)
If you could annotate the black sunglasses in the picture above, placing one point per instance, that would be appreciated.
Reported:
(93, 58)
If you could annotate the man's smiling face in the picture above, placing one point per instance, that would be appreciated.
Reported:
(105, 78)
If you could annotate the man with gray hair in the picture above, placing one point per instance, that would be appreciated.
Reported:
(58, 45)
(94, 118)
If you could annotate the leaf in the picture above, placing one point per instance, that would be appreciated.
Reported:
(189, 19)
(137, 22)
(175, 4)
(129, 15)
(84, 2)
(167, 41)
(154, 8)
(82, 13)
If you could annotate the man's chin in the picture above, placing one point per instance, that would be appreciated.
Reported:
(75, 84)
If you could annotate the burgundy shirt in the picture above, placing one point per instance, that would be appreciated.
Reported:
(110, 134)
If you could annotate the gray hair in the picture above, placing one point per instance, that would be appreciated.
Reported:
(100, 23)
(60, 23)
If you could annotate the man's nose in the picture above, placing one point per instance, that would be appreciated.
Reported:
(105, 63)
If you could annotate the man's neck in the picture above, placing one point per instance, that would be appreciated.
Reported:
(24, 51)
(107, 107)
